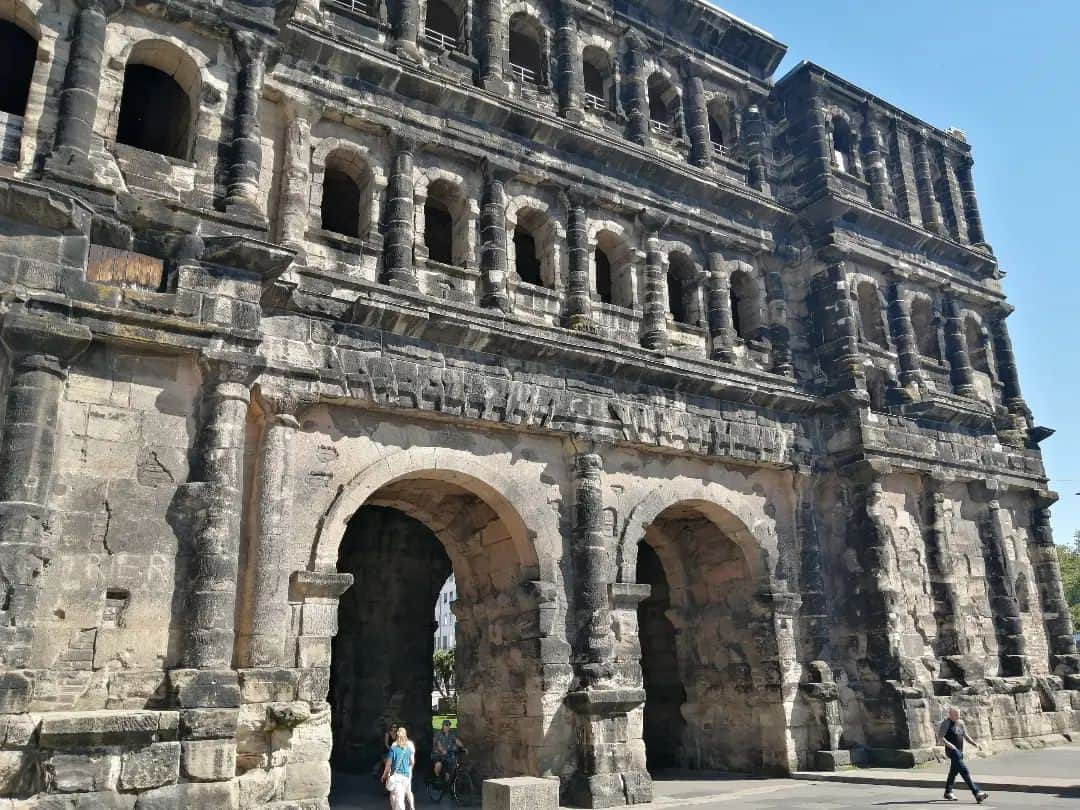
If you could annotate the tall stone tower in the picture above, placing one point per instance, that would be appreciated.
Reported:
(699, 383)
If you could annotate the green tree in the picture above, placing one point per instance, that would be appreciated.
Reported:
(443, 661)
(1070, 576)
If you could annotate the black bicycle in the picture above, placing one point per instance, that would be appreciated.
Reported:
(457, 783)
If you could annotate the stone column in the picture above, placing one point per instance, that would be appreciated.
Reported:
(1057, 618)
(82, 81)
(571, 80)
(579, 314)
(591, 565)
(818, 138)
(970, 202)
(754, 131)
(637, 95)
(266, 604)
(928, 202)
(294, 210)
(245, 156)
(907, 198)
(1006, 366)
(877, 171)
(697, 123)
(839, 350)
(961, 373)
(1004, 606)
(779, 332)
(940, 570)
(654, 311)
(215, 495)
(398, 267)
(492, 46)
(907, 345)
(721, 323)
(954, 202)
(406, 28)
(882, 598)
(493, 259)
(41, 352)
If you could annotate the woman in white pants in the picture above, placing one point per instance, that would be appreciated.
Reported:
(397, 774)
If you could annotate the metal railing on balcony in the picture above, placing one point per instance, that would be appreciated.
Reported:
(367, 8)
(720, 149)
(595, 103)
(660, 128)
(524, 75)
(437, 39)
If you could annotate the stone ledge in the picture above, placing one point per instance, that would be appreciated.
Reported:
(109, 727)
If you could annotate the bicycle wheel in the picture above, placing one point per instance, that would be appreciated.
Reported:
(436, 788)
(464, 791)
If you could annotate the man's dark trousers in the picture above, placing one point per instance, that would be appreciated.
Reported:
(958, 766)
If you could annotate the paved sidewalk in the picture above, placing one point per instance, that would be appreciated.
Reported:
(1049, 770)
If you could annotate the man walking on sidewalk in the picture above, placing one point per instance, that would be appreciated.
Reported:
(952, 735)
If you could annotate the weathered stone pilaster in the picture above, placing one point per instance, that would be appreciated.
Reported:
(942, 576)
(779, 331)
(636, 92)
(837, 331)
(654, 316)
(216, 503)
(954, 202)
(591, 564)
(78, 101)
(570, 82)
(492, 43)
(754, 134)
(960, 370)
(924, 179)
(1057, 618)
(294, 210)
(907, 344)
(1006, 366)
(265, 614)
(398, 267)
(721, 323)
(877, 171)
(818, 140)
(579, 314)
(970, 201)
(697, 123)
(493, 259)
(904, 184)
(252, 53)
(1001, 592)
(406, 28)
(41, 350)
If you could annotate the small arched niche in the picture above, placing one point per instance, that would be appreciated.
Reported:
(526, 50)
(159, 101)
(663, 103)
(924, 324)
(445, 218)
(444, 24)
(346, 195)
(684, 290)
(534, 248)
(747, 306)
(599, 79)
(613, 261)
(870, 314)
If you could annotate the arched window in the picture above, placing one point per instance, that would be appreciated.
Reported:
(599, 85)
(526, 260)
(925, 326)
(443, 25)
(157, 105)
(438, 231)
(843, 153)
(721, 130)
(16, 66)
(527, 50)
(976, 345)
(676, 297)
(683, 291)
(604, 287)
(346, 195)
(663, 100)
(873, 327)
(745, 305)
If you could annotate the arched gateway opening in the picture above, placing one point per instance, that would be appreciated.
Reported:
(400, 546)
(708, 646)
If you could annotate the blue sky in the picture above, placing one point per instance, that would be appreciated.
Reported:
(1006, 74)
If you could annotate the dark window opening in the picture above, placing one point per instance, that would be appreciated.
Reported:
(842, 145)
(870, 314)
(526, 56)
(745, 317)
(659, 111)
(594, 80)
(155, 112)
(976, 346)
(442, 26)
(716, 135)
(604, 287)
(341, 204)
(676, 294)
(527, 263)
(20, 50)
(596, 73)
(439, 232)
(925, 327)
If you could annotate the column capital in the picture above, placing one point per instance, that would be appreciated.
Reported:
(109, 8)
(53, 342)
(283, 404)
(252, 48)
(232, 372)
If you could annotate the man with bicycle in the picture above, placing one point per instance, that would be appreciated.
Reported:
(444, 751)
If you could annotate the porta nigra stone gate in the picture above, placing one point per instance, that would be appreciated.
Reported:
(699, 382)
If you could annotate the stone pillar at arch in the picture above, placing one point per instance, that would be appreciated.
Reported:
(78, 101)
(928, 202)
(493, 257)
(779, 331)
(907, 347)
(294, 210)
(399, 269)
(721, 320)
(970, 202)
(654, 334)
(839, 349)
(265, 611)
(697, 123)
(492, 45)
(571, 80)
(954, 200)
(877, 170)
(961, 372)
(637, 96)
(406, 28)
(41, 351)
(754, 131)
(245, 160)
(1057, 618)
(579, 310)
(1006, 366)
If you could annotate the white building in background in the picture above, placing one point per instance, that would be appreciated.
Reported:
(444, 616)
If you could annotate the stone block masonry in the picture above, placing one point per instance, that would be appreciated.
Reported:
(699, 381)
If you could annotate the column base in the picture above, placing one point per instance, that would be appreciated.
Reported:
(610, 789)
(583, 324)
(574, 115)
(407, 50)
(205, 688)
(495, 84)
(655, 341)
(499, 301)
